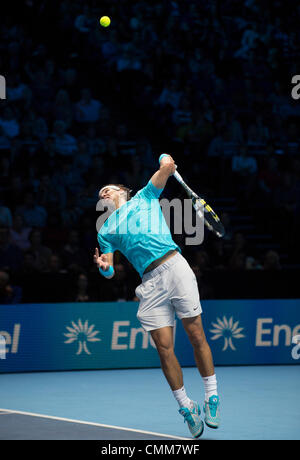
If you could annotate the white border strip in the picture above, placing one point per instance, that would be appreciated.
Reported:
(51, 417)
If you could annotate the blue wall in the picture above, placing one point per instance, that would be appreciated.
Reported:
(108, 335)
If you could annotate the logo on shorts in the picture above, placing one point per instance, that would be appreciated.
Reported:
(228, 330)
(82, 333)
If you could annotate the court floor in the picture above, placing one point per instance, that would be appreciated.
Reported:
(257, 402)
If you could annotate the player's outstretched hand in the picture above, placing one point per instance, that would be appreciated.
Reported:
(101, 261)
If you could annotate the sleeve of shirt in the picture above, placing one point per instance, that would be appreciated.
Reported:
(150, 191)
(105, 246)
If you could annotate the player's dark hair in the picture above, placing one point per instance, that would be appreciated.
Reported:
(122, 187)
(127, 190)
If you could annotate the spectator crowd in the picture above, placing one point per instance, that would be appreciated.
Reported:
(207, 82)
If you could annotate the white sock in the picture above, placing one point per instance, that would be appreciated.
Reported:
(181, 397)
(210, 386)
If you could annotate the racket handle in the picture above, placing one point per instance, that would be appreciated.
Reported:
(178, 177)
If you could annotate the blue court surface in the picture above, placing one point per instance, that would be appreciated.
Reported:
(257, 402)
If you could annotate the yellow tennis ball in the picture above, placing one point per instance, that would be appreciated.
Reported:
(105, 21)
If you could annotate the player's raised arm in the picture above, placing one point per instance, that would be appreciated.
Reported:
(167, 168)
(105, 263)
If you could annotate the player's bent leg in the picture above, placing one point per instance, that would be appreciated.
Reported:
(163, 339)
(204, 361)
(202, 352)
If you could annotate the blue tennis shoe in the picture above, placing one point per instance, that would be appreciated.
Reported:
(211, 409)
(192, 417)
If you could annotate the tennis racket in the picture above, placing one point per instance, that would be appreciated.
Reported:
(203, 209)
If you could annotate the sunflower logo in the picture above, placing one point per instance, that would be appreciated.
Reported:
(228, 330)
(82, 333)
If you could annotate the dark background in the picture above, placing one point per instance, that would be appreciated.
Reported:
(208, 82)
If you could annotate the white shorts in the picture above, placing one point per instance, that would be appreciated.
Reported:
(168, 289)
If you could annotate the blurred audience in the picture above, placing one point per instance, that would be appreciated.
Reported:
(271, 261)
(82, 291)
(40, 252)
(10, 255)
(206, 82)
(19, 233)
(9, 294)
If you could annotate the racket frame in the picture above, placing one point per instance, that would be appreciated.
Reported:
(199, 207)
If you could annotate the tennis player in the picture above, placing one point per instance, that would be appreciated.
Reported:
(168, 286)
